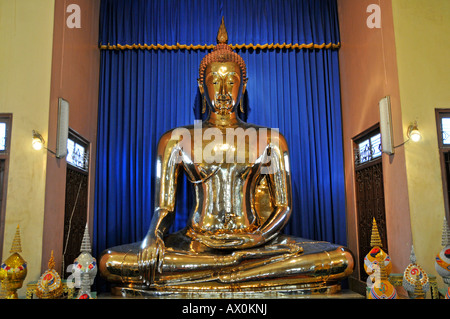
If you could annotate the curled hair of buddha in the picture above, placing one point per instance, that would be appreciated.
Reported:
(222, 53)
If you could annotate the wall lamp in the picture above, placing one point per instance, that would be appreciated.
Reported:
(414, 133)
(38, 142)
(387, 144)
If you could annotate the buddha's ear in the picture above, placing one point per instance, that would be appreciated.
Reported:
(200, 86)
(244, 85)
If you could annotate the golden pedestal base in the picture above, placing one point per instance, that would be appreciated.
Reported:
(397, 281)
(291, 291)
(68, 293)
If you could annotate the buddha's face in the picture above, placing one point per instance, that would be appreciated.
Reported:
(222, 84)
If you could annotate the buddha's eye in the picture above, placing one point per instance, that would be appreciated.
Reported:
(215, 82)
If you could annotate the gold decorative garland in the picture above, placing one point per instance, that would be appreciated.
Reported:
(179, 46)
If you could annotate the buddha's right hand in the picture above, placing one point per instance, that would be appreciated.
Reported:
(151, 257)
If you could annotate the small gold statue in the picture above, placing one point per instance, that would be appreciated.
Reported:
(85, 268)
(382, 287)
(415, 276)
(241, 178)
(49, 285)
(13, 270)
(376, 255)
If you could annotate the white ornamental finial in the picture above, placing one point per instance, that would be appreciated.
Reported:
(412, 256)
(445, 234)
(86, 243)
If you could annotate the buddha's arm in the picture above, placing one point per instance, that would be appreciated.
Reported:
(279, 182)
(168, 165)
(167, 169)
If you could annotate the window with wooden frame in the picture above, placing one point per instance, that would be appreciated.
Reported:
(76, 202)
(368, 148)
(5, 146)
(443, 130)
(369, 191)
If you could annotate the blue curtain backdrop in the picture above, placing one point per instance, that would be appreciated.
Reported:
(146, 91)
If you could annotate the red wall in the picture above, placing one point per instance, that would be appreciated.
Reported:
(75, 77)
(368, 70)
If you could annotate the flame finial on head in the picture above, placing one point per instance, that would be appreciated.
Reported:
(222, 35)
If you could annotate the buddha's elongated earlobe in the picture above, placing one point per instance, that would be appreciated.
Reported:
(202, 92)
(241, 104)
(204, 105)
(244, 86)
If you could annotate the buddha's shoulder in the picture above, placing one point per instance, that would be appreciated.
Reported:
(179, 129)
(176, 133)
(272, 135)
(271, 132)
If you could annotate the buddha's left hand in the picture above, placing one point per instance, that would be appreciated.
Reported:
(227, 241)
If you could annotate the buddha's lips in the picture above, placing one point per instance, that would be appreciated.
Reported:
(223, 104)
(222, 98)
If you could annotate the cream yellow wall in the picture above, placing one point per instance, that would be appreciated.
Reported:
(26, 33)
(423, 58)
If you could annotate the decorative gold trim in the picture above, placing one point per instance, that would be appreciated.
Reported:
(178, 46)
(32, 286)
(397, 281)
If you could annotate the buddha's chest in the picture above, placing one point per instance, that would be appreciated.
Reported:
(222, 198)
(223, 175)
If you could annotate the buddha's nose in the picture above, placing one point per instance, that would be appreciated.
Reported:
(221, 89)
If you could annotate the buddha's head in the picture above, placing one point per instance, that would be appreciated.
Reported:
(222, 76)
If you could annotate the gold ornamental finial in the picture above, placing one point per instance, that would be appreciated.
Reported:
(51, 262)
(222, 35)
(16, 246)
(375, 239)
(382, 269)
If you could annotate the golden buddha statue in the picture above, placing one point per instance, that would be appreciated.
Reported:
(241, 180)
